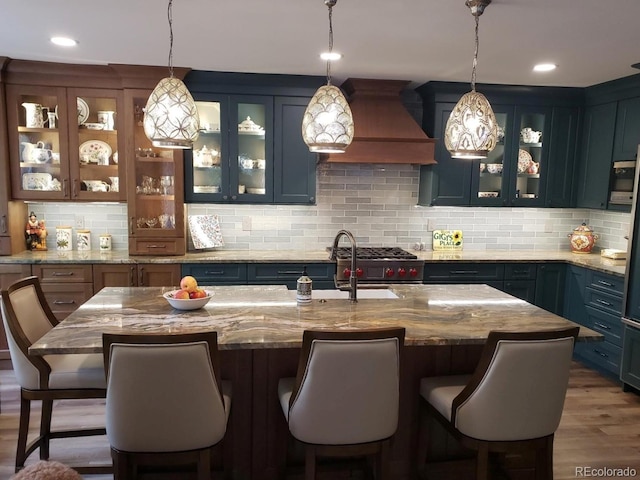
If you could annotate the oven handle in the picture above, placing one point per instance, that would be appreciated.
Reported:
(631, 323)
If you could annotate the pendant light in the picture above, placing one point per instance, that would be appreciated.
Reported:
(327, 125)
(472, 128)
(170, 116)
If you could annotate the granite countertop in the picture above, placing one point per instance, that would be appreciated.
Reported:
(593, 261)
(257, 317)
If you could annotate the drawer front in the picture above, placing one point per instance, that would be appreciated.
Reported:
(605, 282)
(157, 247)
(55, 273)
(520, 271)
(604, 301)
(608, 324)
(276, 273)
(66, 298)
(217, 273)
(462, 272)
(603, 354)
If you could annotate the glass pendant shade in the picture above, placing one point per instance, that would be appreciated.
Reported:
(472, 128)
(327, 125)
(170, 116)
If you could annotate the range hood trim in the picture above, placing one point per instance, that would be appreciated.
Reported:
(385, 132)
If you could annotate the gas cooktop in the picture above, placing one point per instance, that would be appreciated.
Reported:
(379, 265)
(375, 253)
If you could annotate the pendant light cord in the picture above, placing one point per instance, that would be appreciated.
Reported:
(330, 5)
(475, 55)
(170, 19)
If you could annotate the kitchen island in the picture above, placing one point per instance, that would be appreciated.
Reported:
(260, 332)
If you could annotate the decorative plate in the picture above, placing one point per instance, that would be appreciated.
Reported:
(95, 149)
(83, 111)
(36, 181)
(524, 161)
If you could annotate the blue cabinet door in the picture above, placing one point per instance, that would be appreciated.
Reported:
(627, 138)
(563, 149)
(595, 160)
(550, 285)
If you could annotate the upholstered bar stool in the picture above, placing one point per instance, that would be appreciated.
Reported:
(344, 400)
(511, 403)
(27, 317)
(166, 403)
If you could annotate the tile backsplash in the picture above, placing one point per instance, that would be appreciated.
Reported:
(377, 203)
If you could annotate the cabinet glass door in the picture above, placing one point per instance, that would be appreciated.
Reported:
(529, 163)
(94, 144)
(207, 170)
(251, 148)
(494, 169)
(39, 143)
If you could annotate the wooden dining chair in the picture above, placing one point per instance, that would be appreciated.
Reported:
(27, 317)
(166, 402)
(513, 401)
(344, 400)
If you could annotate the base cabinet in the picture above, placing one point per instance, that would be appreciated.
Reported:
(141, 275)
(65, 287)
(630, 369)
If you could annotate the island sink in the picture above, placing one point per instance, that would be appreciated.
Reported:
(376, 293)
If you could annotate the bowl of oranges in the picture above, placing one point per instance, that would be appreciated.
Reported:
(189, 296)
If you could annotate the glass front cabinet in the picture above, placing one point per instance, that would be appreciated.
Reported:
(64, 143)
(155, 193)
(232, 160)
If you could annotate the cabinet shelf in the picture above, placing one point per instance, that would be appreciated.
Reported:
(155, 197)
(537, 145)
(154, 159)
(46, 166)
(528, 175)
(37, 130)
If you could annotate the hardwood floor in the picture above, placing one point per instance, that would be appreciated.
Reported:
(600, 428)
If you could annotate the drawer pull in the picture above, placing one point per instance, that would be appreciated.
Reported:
(606, 284)
(602, 302)
(64, 302)
(62, 274)
(288, 272)
(463, 272)
(156, 246)
(602, 354)
(602, 325)
(214, 272)
(3, 224)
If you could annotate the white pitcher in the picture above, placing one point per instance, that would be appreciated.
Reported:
(34, 115)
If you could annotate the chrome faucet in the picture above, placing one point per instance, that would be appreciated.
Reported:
(353, 279)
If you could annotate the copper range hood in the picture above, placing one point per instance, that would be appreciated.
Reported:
(385, 132)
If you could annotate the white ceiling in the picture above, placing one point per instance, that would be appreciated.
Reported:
(592, 41)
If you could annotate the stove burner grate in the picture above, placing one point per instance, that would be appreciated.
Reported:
(375, 253)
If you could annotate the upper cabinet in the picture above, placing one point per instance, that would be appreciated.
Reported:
(64, 142)
(250, 148)
(533, 159)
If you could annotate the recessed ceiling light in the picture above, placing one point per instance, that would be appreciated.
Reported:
(544, 67)
(64, 41)
(330, 56)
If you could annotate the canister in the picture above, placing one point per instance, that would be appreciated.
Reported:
(64, 235)
(105, 242)
(83, 240)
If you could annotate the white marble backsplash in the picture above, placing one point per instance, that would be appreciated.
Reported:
(377, 203)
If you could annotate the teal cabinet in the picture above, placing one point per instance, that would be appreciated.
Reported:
(321, 274)
(627, 136)
(217, 273)
(630, 368)
(520, 171)
(550, 285)
(594, 168)
(250, 148)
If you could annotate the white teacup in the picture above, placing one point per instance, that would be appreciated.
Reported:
(96, 185)
(115, 184)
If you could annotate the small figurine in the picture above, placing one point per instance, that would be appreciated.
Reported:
(35, 233)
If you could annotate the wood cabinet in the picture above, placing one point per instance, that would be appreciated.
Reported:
(10, 273)
(141, 275)
(155, 195)
(519, 171)
(59, 149)
(252, 124)
(65, 286)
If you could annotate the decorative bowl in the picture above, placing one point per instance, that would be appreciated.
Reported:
(94, 126)
(186, 303)
(494, 167)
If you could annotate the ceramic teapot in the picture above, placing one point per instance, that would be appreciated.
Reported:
(205, 157)
(582, 239)
(36, 153)
(530, 136)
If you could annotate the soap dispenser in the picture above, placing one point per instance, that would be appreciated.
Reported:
(303, 292)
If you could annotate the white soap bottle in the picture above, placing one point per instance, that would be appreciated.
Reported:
(303, 292)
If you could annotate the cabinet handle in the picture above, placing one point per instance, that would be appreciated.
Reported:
(234, 197)
(214, 272)
(132, 276)
(601, 325)
(606, 284)
(64, 302)
(75, 189)
(65, 187)
(3, 224)
(602, 354)
(288, 272)
(463, 272)
(62, 274)
(602, 302)
(141, 276)
(131, 224)
(521, 271)
(156, 246)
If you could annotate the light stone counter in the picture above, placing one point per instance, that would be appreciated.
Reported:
(267, 317)
(593, 261)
